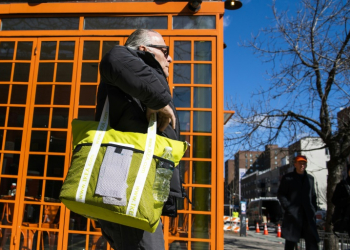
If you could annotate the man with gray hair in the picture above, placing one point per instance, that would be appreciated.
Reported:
(134, 79)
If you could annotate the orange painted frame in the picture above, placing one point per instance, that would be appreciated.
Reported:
(169, 9)
(220, 132)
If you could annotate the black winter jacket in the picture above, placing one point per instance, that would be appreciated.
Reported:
(133, 81)
(341, 201)
(340, 197)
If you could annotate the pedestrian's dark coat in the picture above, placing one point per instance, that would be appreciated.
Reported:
(295, 197)
(340, 196)
(341, 201)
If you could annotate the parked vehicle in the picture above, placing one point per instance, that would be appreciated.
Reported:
(264, 210)
(321, 214)
(320, 224)
(320, 219)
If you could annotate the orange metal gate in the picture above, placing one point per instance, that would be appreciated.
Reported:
(44, 84)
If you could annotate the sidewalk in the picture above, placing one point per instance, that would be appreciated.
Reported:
(232, 241)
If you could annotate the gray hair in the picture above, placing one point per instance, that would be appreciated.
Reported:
(139, 37)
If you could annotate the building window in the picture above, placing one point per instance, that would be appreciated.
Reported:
(123, 22)
(198, 124)
(276, 162)
(275, 157)
(194, 22)
(40, 23)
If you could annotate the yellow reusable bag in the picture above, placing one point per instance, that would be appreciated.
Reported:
(91, 142)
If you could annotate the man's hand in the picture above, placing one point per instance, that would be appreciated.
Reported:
(164, 117)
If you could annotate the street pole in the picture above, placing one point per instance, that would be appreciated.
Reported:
(242, 216)
(230, 210)
(243, 231)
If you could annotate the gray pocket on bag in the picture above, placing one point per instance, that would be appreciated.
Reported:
(112, 179)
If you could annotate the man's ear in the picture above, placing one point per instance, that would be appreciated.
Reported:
(142, 48)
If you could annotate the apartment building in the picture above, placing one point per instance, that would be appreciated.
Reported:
(255, 161)
(243, 161)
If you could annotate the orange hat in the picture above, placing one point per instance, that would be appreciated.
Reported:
(300, 158)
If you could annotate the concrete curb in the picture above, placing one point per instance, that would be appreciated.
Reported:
(257, 236)
(233, 241)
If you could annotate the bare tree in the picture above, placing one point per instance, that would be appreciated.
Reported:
(308, 84)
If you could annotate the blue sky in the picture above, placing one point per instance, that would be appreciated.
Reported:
(244, 72)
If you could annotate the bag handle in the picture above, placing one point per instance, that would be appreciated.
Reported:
(90, 160)
(145, 165)
(143, 170)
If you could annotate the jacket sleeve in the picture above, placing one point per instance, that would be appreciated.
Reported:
(282, 194)
(133, 76)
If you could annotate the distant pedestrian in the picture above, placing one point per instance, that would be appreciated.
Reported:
(341, 201)
(297, 196)
(235, 213)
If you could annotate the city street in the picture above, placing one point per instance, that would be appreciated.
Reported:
(233, 241)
